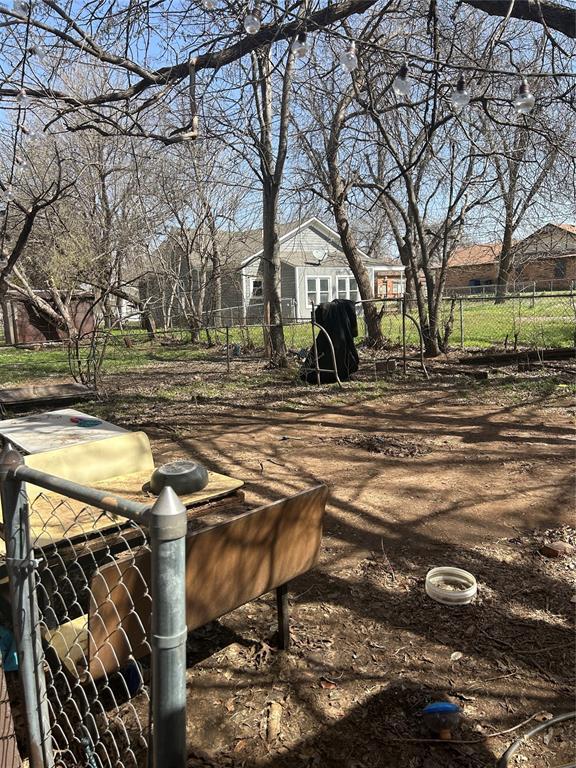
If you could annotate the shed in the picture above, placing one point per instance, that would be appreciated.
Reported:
(24, 324)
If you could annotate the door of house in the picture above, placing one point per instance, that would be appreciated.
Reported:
(318, 289)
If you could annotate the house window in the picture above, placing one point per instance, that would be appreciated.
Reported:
(318, 289)
(347, 288)
(256, 288)
(560, 269)
(397, 287)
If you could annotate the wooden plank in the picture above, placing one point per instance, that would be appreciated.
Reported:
(135, 487)
(511, 358)
(227, 564)
(55, 518)
(119, 538)
(40, 393)
(9, 755)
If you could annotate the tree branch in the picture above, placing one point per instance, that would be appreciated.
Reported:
(545, 12)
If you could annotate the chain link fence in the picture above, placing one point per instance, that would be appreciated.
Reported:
(99, 670)
(530, 320)
(527, 320)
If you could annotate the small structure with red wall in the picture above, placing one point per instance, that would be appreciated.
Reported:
(24, 324)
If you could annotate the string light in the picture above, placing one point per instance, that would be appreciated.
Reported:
(21, 97)
(30, 133)
(401, 83)
(460, 97)
(252, 21)
(38, 51)
(349, 59)
(208, 5)
(524, 101)
(301, 46)
(20, 6)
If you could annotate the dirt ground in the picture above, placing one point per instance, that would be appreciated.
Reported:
(421, 473)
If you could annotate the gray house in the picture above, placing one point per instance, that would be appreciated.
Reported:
(313, 269)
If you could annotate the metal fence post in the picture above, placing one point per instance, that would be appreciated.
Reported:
(227, 349)
(461, 325)
(168, 639)
(314, 344)
(20, 565)
(404, 334)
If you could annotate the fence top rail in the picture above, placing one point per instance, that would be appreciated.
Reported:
(490, 297)
(109, 502)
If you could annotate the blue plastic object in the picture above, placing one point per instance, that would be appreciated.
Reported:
(441, 717)
(441, 707)
(8, 650)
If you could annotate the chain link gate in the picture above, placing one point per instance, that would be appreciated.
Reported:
(103, 679)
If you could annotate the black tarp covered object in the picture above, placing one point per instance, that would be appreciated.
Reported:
(338, 318)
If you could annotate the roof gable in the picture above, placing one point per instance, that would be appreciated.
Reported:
(293, 229)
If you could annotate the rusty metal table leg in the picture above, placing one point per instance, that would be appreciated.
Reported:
(283, 617)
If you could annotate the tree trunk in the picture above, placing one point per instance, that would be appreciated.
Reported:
(271, 276)
(340, 209)
(216, 269)
(427, 320)
(504, 263)
(361, 275)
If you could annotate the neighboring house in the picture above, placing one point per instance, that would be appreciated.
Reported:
(313, 269)
(546, 259)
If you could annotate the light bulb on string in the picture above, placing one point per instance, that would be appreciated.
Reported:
(22, 98)
(349, 59)
(252, 21)
(30, 133)
(208, 5)
(460, 96)
(20, 6)
(524, 101)
(301, 46)
(38, 51)
(8, 194)
(21, 164)
(401, 83)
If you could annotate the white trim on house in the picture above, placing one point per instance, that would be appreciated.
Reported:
(387, 267)
(297, 278)
(317, 278)
(347, 280)
(251, 281)
(314, 223)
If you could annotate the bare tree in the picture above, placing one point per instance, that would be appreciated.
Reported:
(332, 177)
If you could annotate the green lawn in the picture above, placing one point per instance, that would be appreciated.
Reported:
(546, 321)
(543, 320)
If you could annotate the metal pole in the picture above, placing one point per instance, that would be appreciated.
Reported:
(20, 565)
(228, 349)
(314, 345)
(461, 325)
(168, 638)
(403, 300)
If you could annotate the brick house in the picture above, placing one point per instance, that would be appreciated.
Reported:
(546, 258)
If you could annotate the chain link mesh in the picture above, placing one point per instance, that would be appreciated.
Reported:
(99, 714)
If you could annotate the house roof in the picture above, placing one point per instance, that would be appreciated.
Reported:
(487, 253)
(568, 227)
(291, 229)
(482, 253)
(240, 248)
